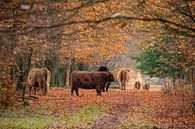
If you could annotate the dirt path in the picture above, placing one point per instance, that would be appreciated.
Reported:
(113, 118)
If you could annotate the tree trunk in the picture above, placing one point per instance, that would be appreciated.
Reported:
(173, 83)
(192, 81)
(68, 73)
(53, 74)
(164, 82)
(75, 65)
(23, 92)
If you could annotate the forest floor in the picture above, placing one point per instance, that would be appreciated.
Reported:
(115, 109)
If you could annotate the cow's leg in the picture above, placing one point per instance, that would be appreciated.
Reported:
(72, 91)
(103, 89)
(148, 87)
(41, 85)
(35, 87)
(98, 90)
(77, 91)
(45, 88)
(107, 86)
(43, 91)
(121, 85)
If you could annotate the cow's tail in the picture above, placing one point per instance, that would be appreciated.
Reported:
(124, 77)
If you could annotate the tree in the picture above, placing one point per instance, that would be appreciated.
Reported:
(168, 57)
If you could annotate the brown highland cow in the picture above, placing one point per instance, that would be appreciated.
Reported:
(90, 80)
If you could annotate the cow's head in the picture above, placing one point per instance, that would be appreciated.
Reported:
(111, 77)
(103, 68)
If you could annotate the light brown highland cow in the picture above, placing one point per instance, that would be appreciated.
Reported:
(39, 78)
(122, 76)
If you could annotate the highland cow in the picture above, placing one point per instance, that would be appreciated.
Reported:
(90, 80)
(39, 78)
(146, 86)
(137, 85)
(122, 76)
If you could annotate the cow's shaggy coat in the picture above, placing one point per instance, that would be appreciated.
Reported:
(122, 76)
(89, 80)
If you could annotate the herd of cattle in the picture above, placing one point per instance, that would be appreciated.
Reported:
(39, 78)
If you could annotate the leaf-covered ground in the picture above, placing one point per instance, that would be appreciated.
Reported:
(115, 109)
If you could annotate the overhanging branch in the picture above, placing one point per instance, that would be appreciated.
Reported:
(95, 22)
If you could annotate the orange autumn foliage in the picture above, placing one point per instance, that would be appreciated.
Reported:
(151, 107)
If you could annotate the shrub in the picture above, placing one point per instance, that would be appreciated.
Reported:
(7, 94)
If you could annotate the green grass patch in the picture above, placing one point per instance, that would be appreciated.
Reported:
(26, 118)
(85, 115)
(27, 123)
